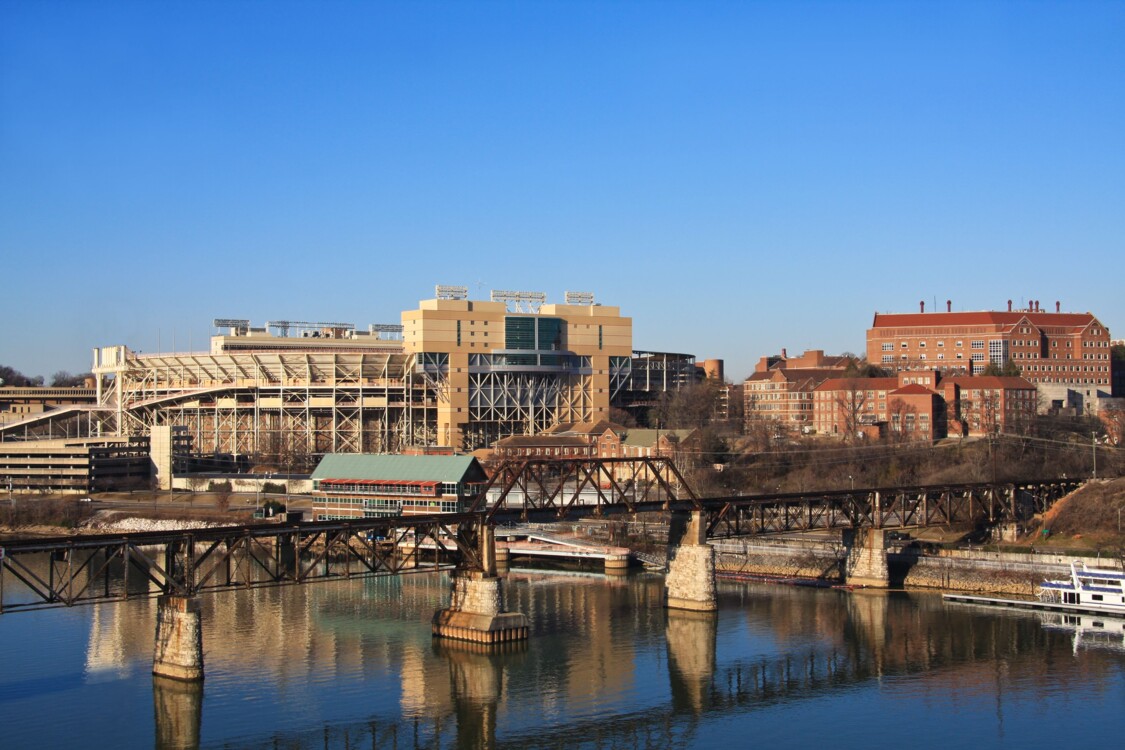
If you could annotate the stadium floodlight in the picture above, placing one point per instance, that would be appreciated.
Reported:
(389, 331)
(521, 302)
(236, 323)
(585, 299)
(443, 291)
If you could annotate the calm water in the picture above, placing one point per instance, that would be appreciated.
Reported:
(352, 665)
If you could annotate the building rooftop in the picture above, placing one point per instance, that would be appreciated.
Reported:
(985, 317)
(378, 466)
(912, 390)
(639, 438)
(864, 384)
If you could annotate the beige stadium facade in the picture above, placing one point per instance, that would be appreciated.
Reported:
(457, 372)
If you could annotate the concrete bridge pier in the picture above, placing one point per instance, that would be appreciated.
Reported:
(867, 558)
(178, 653)
(476, 604)
(690, 583)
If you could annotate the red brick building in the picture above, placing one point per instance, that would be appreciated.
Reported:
(917, 413)
(869, 406)
(986, 405)
(921, 405)
(1048, 347)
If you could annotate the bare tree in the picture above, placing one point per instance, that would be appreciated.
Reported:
(195, 484)
(903, 420)
(850, 405)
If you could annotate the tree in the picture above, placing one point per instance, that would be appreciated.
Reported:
(1113, 419)
(859, 367)
(1007, 370)
(850, 405)
(63, 379)
(10, 376)
(692, 406)
(903, 420)
(195, 484)
(621, 417)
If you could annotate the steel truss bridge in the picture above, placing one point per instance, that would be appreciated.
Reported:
(65, 571)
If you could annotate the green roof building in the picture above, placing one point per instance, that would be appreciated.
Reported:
(365, 485)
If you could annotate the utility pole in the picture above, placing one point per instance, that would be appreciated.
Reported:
(1094, 446)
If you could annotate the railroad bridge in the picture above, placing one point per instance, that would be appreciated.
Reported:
(178, 566)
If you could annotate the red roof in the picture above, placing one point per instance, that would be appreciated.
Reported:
(859, 384)
(1000, 319)
(381, 482)
(912, 390)
(794, 375)
(1002, 382)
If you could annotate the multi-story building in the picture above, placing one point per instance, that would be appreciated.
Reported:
(781, 388)
(76, 465)
(989, 405)
(1048, 348)
(368, 486)
(906, 404)
(515, 364)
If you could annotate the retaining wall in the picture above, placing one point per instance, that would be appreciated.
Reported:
(977, 571)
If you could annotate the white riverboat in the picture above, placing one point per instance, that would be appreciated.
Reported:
(1088, 590)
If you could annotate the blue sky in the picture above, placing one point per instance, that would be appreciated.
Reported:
(737, 176)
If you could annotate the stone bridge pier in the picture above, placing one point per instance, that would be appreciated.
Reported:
(866, 564)
(178, 652)
(476, 603)
(690, 583)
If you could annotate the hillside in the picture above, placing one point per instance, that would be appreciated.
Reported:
(1091, 517)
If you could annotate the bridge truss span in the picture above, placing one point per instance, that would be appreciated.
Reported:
(577, 487)
(85, 570)
(890, 507)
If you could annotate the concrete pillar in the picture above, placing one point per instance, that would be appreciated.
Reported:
(867, 558)
(690, 583)
(178, 653)
(160, 452)
(476, 612)
(616, 565)
(178, 710)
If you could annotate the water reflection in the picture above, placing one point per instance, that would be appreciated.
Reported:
(354, 664)
(691, 658)
(178, 710)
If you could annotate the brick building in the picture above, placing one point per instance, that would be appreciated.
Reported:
(1068, 349)
(868, 406)
(985, 405)
(922, 405)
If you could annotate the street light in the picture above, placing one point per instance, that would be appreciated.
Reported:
(851, 481)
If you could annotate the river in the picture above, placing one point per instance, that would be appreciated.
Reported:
(352, 665)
